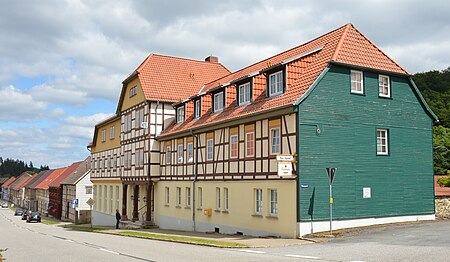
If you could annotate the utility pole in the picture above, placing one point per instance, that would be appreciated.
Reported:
(331, 171)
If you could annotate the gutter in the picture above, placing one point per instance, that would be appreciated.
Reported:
(195, 136)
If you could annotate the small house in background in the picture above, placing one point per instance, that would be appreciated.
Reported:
(31, 190)
(6, 192)
(55, 191)
(76, 191)
(28, 196)
(42, 192)
(18, 188)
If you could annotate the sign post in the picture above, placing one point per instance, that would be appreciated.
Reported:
(331, 172)
(90, 202)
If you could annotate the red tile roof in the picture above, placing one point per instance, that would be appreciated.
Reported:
(438, 190)
(21, 181)
(344, 45)
(9, 182)
(172, 79)
(41, 176)
(49, 179)
(69, 170)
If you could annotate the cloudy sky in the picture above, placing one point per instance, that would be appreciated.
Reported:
(62, 61)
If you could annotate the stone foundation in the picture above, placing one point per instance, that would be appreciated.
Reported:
(442, 207)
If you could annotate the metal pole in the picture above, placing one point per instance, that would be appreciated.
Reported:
(331, 209)
(91, 215)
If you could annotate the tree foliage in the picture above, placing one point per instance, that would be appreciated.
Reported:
(441, 145)
(13, 167)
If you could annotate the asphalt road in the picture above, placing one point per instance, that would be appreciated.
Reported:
(39, 242)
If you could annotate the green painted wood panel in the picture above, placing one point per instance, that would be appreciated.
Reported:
(401, 183)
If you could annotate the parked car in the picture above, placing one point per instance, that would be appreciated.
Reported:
(19, 212)
(5, 205)
(34, 216)
(25, 214)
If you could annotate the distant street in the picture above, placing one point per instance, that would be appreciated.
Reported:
(39, 242)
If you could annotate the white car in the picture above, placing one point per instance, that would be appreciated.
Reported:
(5, 205)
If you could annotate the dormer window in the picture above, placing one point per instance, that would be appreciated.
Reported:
(218, 102)
(197, 109)
(244, 92)
(275, 84)
(180, 114)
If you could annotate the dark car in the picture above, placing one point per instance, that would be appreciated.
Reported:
(19, 212)
(25, 214)
(34, 216)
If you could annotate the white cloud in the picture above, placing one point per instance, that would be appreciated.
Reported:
(16, 105)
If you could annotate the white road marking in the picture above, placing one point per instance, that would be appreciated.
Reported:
(109, 251)
(358, 261)
(300, 256)
(252, 251)
(71, 241)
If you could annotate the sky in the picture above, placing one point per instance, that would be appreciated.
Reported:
(62, 62)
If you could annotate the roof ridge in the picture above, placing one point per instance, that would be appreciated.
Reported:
(190, 59)
(341, 41)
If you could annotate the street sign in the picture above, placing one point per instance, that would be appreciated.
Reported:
(331, 171)
(285, 158)
(90, 201)
(304, 186)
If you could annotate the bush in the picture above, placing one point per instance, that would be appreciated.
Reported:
(444, 181)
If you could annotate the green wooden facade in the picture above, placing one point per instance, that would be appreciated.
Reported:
(401, 183)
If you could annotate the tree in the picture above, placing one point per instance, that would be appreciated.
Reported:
(441, 146)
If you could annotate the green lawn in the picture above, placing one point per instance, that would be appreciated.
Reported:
(87, 229)
(49, 222)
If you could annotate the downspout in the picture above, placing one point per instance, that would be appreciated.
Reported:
(195, 180)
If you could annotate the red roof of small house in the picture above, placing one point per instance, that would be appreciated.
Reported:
(78, 173)
(438, 190)
(69, 170)
(345, 45)
(41, 176)
(21, 181)
(50, 178)
(9, 182)
(171, 79)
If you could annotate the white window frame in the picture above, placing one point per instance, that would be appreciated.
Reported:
(249, 143)
(168, 156)
(382, 141)
(258, 201)
(277, 84)
(209, 149)
(167, 195)
(139, 118)
(197, 109)
(219, 102)
(218, 198)
(244, 94)
(354, 83)
(180, 114)
(133, 91)
(178, 196)
(272, 144)
(188, 197)
(190, 152)
(225, 199)
(384, 86)
(234, 153)
(273, 202)
(111, 132)
(180, 149)
(103, 135)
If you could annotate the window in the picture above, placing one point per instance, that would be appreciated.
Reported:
(167, 199)
(95, 196)
(180, 114)
(180, 153)
(88, 189)
(178, 196)
(190, 152)
(117, 197)
(103, 135)
(209, 149)
(273, 208)
(127, 122)
(105, 198)
(200, 197)
(114, 164)
(382, 142)
(250, 144)
(139, 118)
(275, 140)
(233, 146)
(111, 199)
(133, 91)
(276, 83)
(218, 198)
(384, 88)
(168, 156)
(225, 198)
(197, 109)
(188, 197)
(258, 201)
(127, 159)
(111, 132)
(244, 94)
(218, 102)
(99, 198)
(139, 157)
(357, 82)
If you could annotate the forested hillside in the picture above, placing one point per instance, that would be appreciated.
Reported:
(435, 88)
(12, 167)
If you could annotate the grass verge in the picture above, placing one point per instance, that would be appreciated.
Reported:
(182, 239)
(86, 229)
(49, 222)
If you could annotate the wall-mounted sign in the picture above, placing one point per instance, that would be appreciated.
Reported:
(367, 192)
(285, 158)
(304, 186)
(284, 169)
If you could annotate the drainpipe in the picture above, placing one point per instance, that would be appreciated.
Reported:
(195, 179)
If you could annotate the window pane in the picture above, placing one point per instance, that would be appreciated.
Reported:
(275, 140)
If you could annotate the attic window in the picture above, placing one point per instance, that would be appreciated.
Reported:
(180, 114)
(133, 91)
(244, 93)
(275, 83)
(218, 102)
(197, 108)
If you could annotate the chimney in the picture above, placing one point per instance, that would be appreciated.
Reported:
(212, 59)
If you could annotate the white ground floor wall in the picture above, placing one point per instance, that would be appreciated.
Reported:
(102, 219)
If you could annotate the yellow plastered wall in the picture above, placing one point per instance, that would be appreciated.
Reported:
(108, 143)
(133, 100)
(241, 211)
(99, 200)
